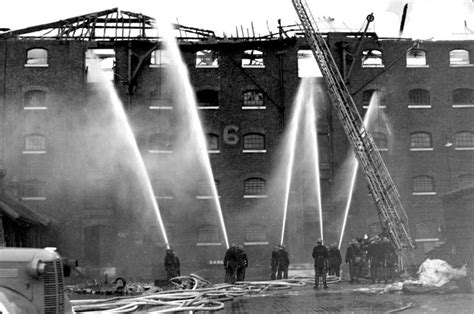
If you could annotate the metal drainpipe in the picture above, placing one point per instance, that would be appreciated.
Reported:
(129, 77)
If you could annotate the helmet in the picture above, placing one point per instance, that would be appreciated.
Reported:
(320, 240)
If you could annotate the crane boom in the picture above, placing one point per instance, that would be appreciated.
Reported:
(384, 192)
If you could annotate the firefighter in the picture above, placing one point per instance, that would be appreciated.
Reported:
(334, 260)
(230, 264)
(243, 262)
(172, 266)
(320, 255)
(283, 262)
(274, 263)
(354, 259)
(390, 259)
(375, 257)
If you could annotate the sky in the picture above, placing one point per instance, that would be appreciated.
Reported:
(426, 19)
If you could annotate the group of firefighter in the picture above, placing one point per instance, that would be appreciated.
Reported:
(375, 256)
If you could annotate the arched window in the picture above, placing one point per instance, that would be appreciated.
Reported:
(252, 100)
(419, 98)
(254, 143)
(372, 95)
(465, 180)
(416, 58)
(206, 59)
(255, 188)
(35, 100)
(208, 235)
(426, 230)
(160, 143)
(420, 141)
(212, 143)
(35, 144)
(307, 65)
(206, 190)
(159, 100)
(463, 97)
(159, 58)
(253, 59)
(207, 99)
(464, 140)
(37, 57)
(381, 140)
(256, 234)
(458, 57)
(33, 190)
(372, 58)
(423, 185)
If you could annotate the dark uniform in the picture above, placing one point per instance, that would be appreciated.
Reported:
(243, 262)
(283, 263)
(354, 258)
(375, 256)
(390, 259)
(334, 260)
(320, 255)
(171, 265)
(230, 264)
(274, 263)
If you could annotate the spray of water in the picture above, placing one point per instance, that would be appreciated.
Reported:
(312, 127)
(367, 118)
(187, 98)
(291, 144)
(121, 116)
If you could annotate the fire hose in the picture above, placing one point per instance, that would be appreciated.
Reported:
(192, 293)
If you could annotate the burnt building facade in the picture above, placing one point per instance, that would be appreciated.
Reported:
(67, 158)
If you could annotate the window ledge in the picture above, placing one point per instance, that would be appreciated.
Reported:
(419, 106)
(253, 66)
(370, 66)
(427, 240)
(157, 66)
(33, 198)
(461, 65)
(382, 149)
(255, 196)
(418, 66)
(206, 197)
(256, 243)
(464, 106)
(254, 151)
(35, 108)
(208, 243)
(34, 152)
(208, 107)
(207, 66)
(379, 107)
(161, 107)
(212, 151)
(427, 149)
(253, 107)
(36, 65)
(423, 193)
(464, 148)
(157, 151)
(164, 197)
(216, 262)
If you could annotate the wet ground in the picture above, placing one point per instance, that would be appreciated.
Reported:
(348, 298)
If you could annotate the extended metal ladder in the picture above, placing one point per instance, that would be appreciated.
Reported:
(390, 210)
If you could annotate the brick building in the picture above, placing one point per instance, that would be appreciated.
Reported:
(69, 157)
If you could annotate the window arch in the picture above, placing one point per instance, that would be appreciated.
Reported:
(37, 57)
(35, 144)
(34, 100)
(464, 140)
(212, 142)
(208, 235)
(33, 189)
(160, 143)
(423, 185)
(372, 58)
(421, 141)
(416, 58)
(463, 97)
(252, 99)
(253, 59)
(208, 99)
(459, 57)
(254, 143)
(255, 188)
(465, 180)
(206, 59)
(419, 98)
(255, 234)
